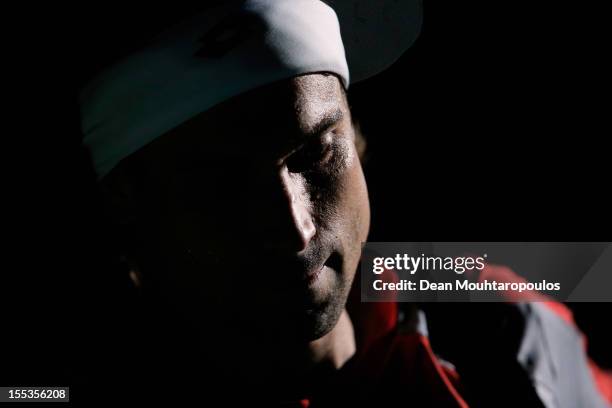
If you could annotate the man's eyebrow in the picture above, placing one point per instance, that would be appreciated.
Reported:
(329, 119)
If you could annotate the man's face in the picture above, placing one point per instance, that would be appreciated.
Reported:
(252, 214)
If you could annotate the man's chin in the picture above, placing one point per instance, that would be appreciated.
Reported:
(296, 313)
(319, 324)
(291, 323)
(311, 323)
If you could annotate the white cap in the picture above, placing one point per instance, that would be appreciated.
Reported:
(229, 50)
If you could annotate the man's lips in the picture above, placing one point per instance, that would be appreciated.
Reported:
(311, 276)
(330, 264)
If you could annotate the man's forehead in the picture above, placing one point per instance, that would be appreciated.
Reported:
(297, 107)
(270, 119)
(319, 98)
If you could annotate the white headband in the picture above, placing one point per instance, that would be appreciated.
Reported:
(202, 62)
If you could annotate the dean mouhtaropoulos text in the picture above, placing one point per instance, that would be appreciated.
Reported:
(465, 285)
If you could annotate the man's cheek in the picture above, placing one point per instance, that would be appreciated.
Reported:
(359, 219)
(358, 202)
(364, 216)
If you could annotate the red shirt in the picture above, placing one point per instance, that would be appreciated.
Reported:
(396, 368)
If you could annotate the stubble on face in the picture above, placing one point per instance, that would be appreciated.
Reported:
(226, 237)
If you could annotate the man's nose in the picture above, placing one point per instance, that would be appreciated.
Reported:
(297, 211)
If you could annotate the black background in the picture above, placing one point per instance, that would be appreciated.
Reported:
(491, 127)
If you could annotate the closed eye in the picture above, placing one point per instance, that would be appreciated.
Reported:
(313, 155)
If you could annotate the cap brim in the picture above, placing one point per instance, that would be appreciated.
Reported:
(376, 33)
